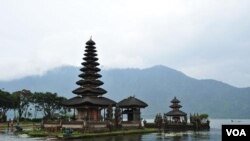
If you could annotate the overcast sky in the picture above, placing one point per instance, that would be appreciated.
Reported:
(205, 39)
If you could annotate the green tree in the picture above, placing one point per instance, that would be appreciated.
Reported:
(158, 120)
(5, 104)
(21, 102)
(48, 102)
(203, 116)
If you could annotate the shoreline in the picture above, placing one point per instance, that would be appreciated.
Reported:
(111, 133)
(79, 135)
(29, 130)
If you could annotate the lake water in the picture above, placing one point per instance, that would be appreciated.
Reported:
(213, 135)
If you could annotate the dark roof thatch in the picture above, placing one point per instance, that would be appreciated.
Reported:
(175, 105)
(176, 113)
(89, 83)
(87, 100)
(89, 91)
(84, 75)
(90, 42)
(175, 100)
(132, 102)
(86, 81)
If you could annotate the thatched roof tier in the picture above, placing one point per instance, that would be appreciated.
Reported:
(175, 100)
(88, 47)
(90, 53)
(175, 106)
(89, 82)
(176, 113)
(89, 100)
(90, 63)
(90, 58)
(88, 91)
(93, 75)
(95, 69)
(90, 42)
(132, 102)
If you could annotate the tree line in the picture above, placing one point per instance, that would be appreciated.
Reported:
(26, 104)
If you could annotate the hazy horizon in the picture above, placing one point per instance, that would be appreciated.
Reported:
(107, 69)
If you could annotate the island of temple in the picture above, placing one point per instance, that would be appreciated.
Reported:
(176, 120)
(93, 111)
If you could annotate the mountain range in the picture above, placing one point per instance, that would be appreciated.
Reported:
(156, 86)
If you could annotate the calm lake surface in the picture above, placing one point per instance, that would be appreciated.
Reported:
(213, 135)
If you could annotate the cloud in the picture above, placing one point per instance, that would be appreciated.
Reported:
(189, 35)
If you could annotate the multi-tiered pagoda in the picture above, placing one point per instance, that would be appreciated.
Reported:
(176, 115)
(89, 100)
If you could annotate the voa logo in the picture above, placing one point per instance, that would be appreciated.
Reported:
(236, 132)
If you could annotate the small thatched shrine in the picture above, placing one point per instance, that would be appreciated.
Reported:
(131, 107)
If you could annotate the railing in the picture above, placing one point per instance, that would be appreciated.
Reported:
(131, 124)
(88, 125)
(52, 124)
(74, 124)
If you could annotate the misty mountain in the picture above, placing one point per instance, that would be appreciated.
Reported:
(156, 86)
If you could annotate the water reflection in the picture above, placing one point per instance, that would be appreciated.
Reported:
(186, 136)
(212, 135)
(136, 137)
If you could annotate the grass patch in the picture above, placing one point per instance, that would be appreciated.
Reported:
(37, 133)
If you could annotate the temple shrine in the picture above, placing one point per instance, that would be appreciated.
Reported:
(89, 101)
(176, 115)
(96, 112)
(131, 107)
(93, 110)
(176, 120)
